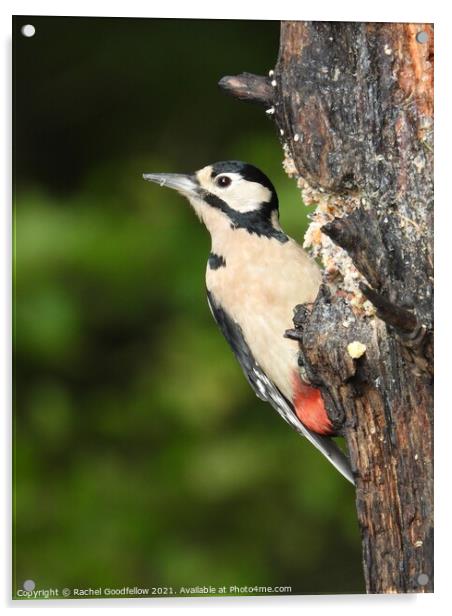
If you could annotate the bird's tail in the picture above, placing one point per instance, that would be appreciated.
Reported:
(332, 452)
(325, 444)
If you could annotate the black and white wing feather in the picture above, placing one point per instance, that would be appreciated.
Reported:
(267, 391)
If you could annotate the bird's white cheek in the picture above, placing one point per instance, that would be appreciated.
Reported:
(243, 196)
(248, 196)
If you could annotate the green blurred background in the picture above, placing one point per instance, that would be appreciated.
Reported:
(141, 455)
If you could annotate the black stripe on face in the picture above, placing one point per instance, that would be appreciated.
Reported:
(256, 221)
(216, 261)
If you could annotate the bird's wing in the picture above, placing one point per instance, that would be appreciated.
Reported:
(267, 391)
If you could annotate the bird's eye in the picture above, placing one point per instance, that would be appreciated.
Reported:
(223, 181)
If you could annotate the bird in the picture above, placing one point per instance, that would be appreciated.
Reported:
(255, 276)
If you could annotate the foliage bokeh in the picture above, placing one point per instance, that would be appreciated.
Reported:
(141, 456)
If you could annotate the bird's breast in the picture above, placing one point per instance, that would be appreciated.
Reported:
(259, 284)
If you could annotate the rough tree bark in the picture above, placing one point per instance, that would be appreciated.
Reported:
(353, 103)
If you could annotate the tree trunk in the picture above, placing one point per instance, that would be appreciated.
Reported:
(353, 103)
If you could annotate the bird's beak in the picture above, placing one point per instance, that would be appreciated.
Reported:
(185, 184)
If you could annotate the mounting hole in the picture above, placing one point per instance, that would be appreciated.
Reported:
(422, 36)
(29, 585)
(422, 579)
(28, 30)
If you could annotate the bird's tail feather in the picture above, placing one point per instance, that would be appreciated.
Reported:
(332, 452)
(325, 444)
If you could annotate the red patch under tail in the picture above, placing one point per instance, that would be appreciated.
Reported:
(309, 407)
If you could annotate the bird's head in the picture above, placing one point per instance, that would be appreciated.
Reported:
(228, 195)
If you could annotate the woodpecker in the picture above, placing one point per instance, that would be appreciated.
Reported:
(255, 276)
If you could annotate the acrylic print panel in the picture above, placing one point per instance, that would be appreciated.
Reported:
(144, 464)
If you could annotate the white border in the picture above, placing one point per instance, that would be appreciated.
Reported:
(329, 10)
